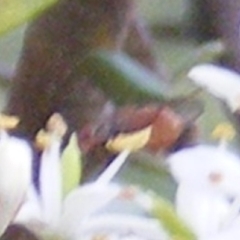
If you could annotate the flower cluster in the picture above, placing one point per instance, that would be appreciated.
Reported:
(207, 202)
(208, 196)
(78, 215)
(208, 177)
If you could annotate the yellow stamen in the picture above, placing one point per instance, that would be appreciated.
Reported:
(224, 131)
(8, 122)
(57, 125)
(43, 140)
(130, 141)
(55, 129)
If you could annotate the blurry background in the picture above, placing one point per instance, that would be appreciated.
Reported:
(179, 27)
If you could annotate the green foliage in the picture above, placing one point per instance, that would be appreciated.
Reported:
(171, 222)
(121, 78)
(71, 165)
(206, 52)
(13, 13)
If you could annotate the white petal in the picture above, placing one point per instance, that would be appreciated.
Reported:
(51, 183)
(31, 208)
(113, 168)
(230, 233)
(229, 167)
(15, 176)
(191, 164)
(120, 224)
(220, 82)
(144, 200)
(83, 202)
(195, 166)
(203, 211)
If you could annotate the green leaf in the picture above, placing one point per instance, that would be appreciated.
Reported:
(122, 79)
(71, 165)
(16, 12)
(171, 222)
(207, 52)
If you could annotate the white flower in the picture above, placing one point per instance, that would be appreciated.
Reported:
(204, 211)
(221, 82)
(15, 176)
(30, 208)
(207, 178)
(231, 232)
(122, 226)
(78, 216)
(53, 209)
(201, 166)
